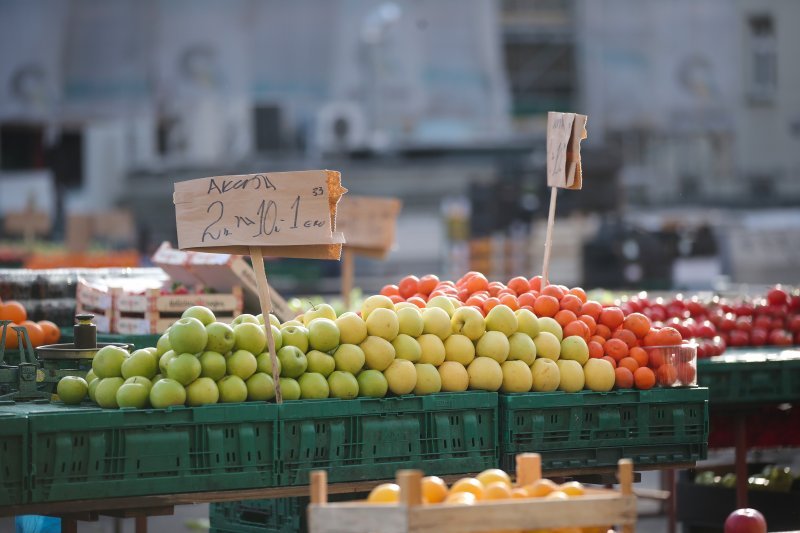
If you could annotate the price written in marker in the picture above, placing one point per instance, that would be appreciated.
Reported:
(288, 210)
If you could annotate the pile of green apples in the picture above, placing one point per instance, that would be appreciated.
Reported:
(386, 348)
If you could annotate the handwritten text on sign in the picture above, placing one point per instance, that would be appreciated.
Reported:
(368, 222)
(275, 209)
(565, 131)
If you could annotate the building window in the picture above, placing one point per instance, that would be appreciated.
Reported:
(763, 71)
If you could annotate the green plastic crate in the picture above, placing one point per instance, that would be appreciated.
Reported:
(13, 459)
(279, 515)
(370, 439)
(741, 380)
(93, 453)
(591, 429)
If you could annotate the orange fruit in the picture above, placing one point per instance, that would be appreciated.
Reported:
(577, 327)
(611, 317)
(629, 363)
(590, 322)
(390, 290)
(408, 286)
(570, 302)
(592, 308)
(490, 304)
(12, 343)
(598, 339)
(651, 339)
(461, 498)
(468, 484)
(564, 317)
(434, 489)
(623, 378)
(638, 324)
(427, 284)
(580, 293)
(603, 331)
(535, 283)
(519, 284)
(495, 287)
(572, 488)
(640, 355)
(554, 290)
(557, 495)
(519, 493)
(595, 349)
(616, 349)
(385, 493)
(510, 300)
(540, 488)
(686, 373)
(627, 336)
(644, 378)
(546, 305)
(526, 298)
(497, 491)
(493, 475)
(666, 375)
(668, 336)
(610, 360)
(419, 302)
(35, 333)
(476, 283)
(13, 311)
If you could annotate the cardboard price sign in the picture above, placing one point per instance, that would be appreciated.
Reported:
(286, 214)
(368, 224)
(565, 131)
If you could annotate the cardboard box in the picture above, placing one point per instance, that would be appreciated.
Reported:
(96, 299)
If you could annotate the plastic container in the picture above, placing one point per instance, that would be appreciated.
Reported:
(592, 429)
(370, 438)
(100, 453)
(13, 458)
(674, 366)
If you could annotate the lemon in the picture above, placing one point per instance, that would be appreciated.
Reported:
(493, 475)
(434, 489)
(385, 493)
(468, 484)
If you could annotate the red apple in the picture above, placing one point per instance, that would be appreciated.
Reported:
(777, 323)
(762, 321)
(794, 324)
(728, 322)
(758, 337)
(777, 296)
(780, 337)
(719, 344)
(745, 521)
(706, 330)
(744, 323)
(794, 303)
(739, 338)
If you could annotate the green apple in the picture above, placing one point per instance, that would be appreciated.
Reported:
(245, 318)
(403, 305)
(442, 302)
(107, 362)
(323, 334)
(343, 385)
(220, 337)
(378, 352)
(547, 345)
(485, 374)
(265, 363)
(250, 337)
(167, 392)
(72, 389)
(501, 318)
(454, 376)
(599, 375)
(213, 365)
(140, 363)
(320, 362)
(431, 348)
(436, 321)
(469, 322)
(546, 375)
(202, 391)
(576, 349)
(242, 363)
(383, 323)
(352, 328)
(572, 378)
(493, 344)
(295, 336)
(319, 311)
(428, 379)
(153, 351)
(92, 388)
(407, 347)
(401, 377)
(293, 361)
(550, 325)
(133, 395)
(188, 335)
(141, 381)
(409, 321)
(459, 348)
(294, 322)
(232, 389)
(290, 389)
(313, 386)
(376, 301)
(163, 345)
(527, 323)
(90, 375)
(165, 359)
(106, 392)
(184, 368)
(260, 387)
(372, 384)
(272, 320)
(349, 358)
(156, 378)
(521, 348)
(203, 314)
(517, 377)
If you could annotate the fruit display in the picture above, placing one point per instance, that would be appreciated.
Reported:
(772, 478)
(40, 333)
(772, 319)
(394, 345)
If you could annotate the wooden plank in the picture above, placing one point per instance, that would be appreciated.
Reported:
(334, 518)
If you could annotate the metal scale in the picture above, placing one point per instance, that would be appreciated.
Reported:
(36, 374)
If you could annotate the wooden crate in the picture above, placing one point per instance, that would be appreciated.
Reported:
(598, 507)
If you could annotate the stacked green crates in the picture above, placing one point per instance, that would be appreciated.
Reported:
(13, 458)
(372, 438)
(745, 379)
(594, 430)
(279, 515)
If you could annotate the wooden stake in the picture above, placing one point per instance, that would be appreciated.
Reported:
(529, 468)
(319, 487)
(625, 475)
(266, 307)
(548, 239)
(348, 272)
(410, 482)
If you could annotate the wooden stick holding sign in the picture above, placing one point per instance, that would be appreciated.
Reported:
(565, 131)
(369, 224)
(284, 214)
